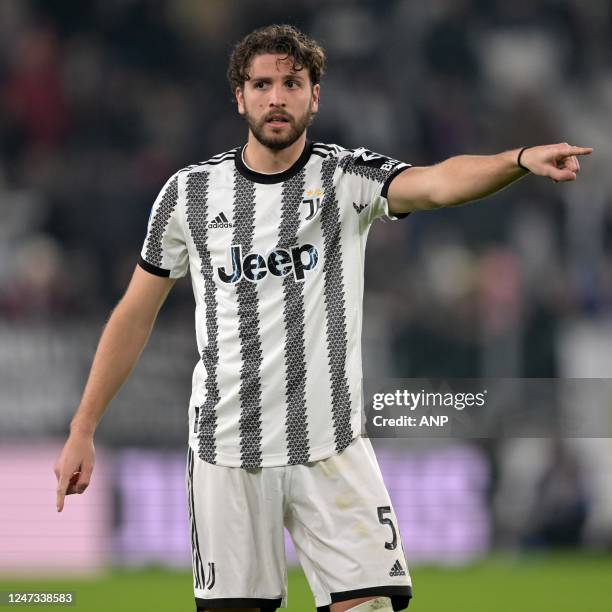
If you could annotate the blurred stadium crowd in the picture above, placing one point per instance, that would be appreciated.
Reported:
(101, 101)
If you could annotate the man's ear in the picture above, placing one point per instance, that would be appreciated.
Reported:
(240, 100)
(314, 104)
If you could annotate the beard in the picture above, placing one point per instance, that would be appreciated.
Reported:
(278, 142)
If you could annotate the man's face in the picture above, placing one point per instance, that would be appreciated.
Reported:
(277, 102)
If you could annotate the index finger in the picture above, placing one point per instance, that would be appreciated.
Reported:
(581, 150)
(62, 488)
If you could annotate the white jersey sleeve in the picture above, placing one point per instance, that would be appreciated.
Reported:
(164, 251)
(374, 173)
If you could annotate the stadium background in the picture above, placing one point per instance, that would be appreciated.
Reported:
(101, 101)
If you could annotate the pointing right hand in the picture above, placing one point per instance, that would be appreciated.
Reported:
(74, 466)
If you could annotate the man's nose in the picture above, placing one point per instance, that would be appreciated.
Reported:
(277, 97)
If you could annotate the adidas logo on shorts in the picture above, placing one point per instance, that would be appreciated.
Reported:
(220, 221)
(397, 569)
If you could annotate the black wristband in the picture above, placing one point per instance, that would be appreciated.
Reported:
(518, 161)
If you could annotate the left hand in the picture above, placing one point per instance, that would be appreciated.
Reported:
(558, 161)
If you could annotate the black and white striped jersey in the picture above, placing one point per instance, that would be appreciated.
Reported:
(276, 263)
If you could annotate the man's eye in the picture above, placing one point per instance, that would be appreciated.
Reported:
(291, 84)
(259, 85)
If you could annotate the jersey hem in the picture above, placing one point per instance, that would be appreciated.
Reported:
(277, 460)
(151, 269)
(385, 189)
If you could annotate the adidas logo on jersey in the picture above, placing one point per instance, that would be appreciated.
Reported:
(279, 262)
(220, 221)
(359, 207)
(397, 569)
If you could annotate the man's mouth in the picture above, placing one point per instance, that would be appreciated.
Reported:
(277, 119)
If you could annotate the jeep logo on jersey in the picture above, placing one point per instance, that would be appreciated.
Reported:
(374, 160)
(279, 262)
(313, 200)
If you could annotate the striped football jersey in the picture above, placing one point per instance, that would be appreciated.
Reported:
(277, 268)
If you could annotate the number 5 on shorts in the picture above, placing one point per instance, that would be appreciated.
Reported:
(383, 520)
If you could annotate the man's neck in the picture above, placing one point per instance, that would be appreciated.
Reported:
(262, 159)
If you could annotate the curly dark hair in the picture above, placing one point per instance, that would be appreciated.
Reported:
(286, 39)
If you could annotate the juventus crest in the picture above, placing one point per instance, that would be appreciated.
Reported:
(313, 199)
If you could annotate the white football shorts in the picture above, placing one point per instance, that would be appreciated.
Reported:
(337, 511)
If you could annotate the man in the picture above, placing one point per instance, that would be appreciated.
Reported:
(274, 234)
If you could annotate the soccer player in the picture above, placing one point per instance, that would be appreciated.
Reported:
(273, 233)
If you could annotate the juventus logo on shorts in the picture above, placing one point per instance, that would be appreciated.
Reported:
(210, 583)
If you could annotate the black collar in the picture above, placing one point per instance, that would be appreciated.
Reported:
(278, 177)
